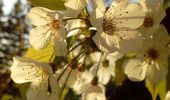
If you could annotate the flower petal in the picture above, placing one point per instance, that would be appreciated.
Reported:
(39, 37)
(27, 70)
(130, 41)
(167, 96)
(60, 45)
(157, 72)
(39, 16)
(103, 75)
(38, 90)
(131, 17)
(95, 56)
(105, 42)
(134, 69)
(96, 96)
(74, 7)
(116, 7)
(96, 17)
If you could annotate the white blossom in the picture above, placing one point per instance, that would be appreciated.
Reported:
(116, 27)
(106, 69)
(152, 61)
(48, 29)
(154, 15)
(167, 96)
(93, 90)
(39, 74)
(74, 7)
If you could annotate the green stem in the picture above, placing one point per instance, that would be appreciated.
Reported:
(66, 19)
(99, 64)
(71, 63)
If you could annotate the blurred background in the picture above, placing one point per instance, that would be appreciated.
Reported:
(14, 42)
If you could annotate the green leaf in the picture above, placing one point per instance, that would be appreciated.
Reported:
(166, 4)
(44, 55)
(50, 4)
(160, 89)
(71, 40)
(64, 93)
(120, 76)
(7, 97)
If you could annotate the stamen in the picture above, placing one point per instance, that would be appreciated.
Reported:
(81, 68)
(55, 24)
(108, 27)
(49, 90)
(105, 63)
(152, 54)
(94, 81)
(148, 22)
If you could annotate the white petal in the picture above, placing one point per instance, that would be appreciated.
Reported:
(161, 37)
(54, 95)
(113, 57)
(147, 43)
(27, 70)
(116, 7)
(93, 69)
(131, 41)
(167, 96)
(157, 72)
(111, 68)
(87, 76)
(161, 40)
(39, 37)
(96, 96)
(89, 88)
(131, 17)
(134, 69)
(157, 16)
(60, 44)
(38, 90)
(74, 7)
(105, 42)
(96, 19)
(39, 16)
(99, 4)
(103, 75)
(95, 56)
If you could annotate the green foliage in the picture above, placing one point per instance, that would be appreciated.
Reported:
(44, 55)
(50, 4)
(160, 89)
(166, 3)
(120, 76)
(71, 40)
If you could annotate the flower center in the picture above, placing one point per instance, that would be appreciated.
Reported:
(49, 89)
(105, 63)
(81, 68)
(94, 81)
(108, 27)
(148, 22)
(152, 54)
(55, 24)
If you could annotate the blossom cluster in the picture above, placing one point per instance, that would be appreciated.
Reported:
(101, 36)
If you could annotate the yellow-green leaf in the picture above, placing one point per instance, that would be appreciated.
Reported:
(50, 4)
(160, 89)
(44, 55)
(120, 76)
